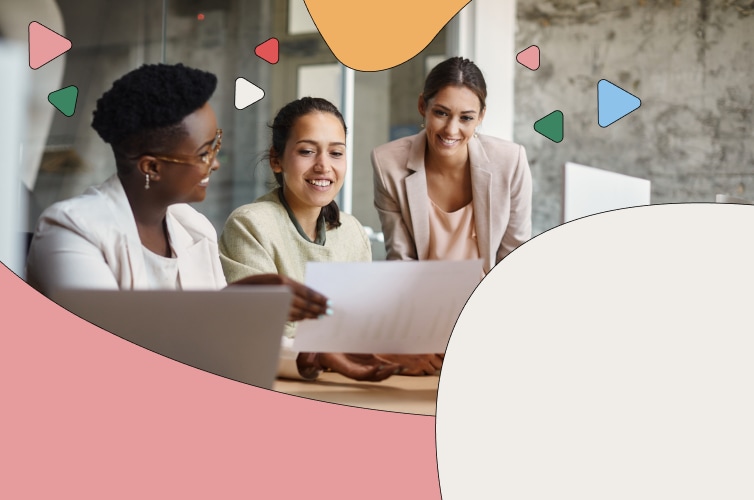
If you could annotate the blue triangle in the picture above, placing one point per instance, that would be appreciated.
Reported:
(613, 103)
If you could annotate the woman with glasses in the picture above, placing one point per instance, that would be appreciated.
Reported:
(136, 230)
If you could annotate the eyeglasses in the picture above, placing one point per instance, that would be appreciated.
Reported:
(207, 158)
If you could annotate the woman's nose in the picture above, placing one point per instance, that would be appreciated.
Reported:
(452, 127)
(320, 163)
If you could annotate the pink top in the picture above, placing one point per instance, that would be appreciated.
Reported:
(452, 236)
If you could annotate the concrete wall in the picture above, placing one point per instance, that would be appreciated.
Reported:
(688, 61)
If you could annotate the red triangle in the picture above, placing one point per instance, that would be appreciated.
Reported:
(269, 50)
(45, 45)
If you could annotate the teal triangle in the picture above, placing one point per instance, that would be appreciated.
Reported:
(65, 99)
(551, 126)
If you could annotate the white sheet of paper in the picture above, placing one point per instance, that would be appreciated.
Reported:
(399, 307)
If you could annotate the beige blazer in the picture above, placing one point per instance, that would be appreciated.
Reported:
(501, 189)
(91, 241)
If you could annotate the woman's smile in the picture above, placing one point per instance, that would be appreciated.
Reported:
(320, 184)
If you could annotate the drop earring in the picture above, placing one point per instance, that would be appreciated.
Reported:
(146, 186)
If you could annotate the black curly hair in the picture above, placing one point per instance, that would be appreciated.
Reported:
(144, 109)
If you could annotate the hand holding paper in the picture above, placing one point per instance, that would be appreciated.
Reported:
(398, 307)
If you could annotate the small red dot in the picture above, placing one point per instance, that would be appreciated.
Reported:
(200, 17)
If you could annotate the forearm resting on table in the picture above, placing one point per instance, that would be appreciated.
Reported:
(288, 366)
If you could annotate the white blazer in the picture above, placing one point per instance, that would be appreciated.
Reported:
(91, 241)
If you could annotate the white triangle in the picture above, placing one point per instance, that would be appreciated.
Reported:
(247, 93)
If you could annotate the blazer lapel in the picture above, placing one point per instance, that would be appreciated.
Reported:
(194, 256)
(123, 217)
(416, 195)
(484, 204)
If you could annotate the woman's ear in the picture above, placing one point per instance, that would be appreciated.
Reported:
(275, 163)
(148, 165)
(422, 105)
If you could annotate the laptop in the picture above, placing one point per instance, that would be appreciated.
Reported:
(589, 190)
(234, 332)
(726, 198)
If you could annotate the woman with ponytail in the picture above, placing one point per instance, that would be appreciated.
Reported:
(299, 222)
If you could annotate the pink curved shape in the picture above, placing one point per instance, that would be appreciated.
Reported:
(89, 415)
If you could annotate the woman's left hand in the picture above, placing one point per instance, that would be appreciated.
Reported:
(364, 367)
(416, 364)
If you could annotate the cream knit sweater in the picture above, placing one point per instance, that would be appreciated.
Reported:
(260, 238)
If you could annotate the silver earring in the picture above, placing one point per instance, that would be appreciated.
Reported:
(476, 132)
(422, 125)
(146, 186)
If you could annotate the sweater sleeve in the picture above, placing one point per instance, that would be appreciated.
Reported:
(242, 252)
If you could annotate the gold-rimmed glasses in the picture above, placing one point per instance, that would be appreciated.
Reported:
(207, 158)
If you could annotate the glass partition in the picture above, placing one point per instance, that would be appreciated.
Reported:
(112, 38)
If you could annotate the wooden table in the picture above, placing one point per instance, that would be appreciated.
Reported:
(402, 394)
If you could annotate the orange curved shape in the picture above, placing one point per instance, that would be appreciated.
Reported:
(377, 35)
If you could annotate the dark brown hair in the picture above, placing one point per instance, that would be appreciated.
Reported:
(456, 71)
(281, 131)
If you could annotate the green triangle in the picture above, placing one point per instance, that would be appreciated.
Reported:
(65, 99)
(551, 126)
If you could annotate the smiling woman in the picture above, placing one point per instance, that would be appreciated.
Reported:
(136, 230)
(449, 192)
(202, 159)
(300, 222)
(310, 167)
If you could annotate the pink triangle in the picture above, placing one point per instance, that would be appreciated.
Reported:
(269, 50)
(45, 45)
(529, 57)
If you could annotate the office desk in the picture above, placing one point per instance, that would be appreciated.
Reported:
(398, 393)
